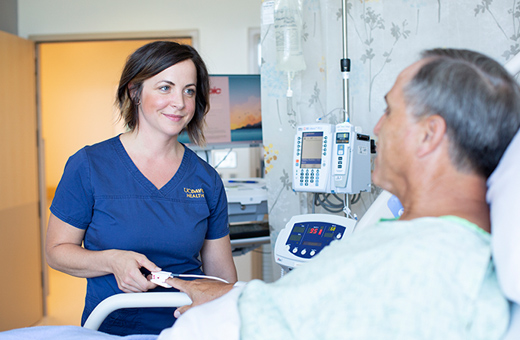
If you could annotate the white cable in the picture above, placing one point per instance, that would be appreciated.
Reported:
(159, 278)
(349, 213)
(200, 277)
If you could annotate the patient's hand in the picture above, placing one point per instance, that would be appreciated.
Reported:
(199, 291)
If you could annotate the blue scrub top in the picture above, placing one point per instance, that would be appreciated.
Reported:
(104, 193)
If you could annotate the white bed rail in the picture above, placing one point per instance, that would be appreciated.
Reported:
(134, 300)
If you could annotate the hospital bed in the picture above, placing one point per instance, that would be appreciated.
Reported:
(90, 330)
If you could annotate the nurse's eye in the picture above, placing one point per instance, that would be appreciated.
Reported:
(190, 92)
(165, 88)
(387, 111)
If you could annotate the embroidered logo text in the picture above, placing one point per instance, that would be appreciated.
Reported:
(194, 193)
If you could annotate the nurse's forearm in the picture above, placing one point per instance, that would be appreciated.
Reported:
(78, 261)
(125, 265)
(65, 253)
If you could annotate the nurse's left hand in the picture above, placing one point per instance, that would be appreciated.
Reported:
(199, 291)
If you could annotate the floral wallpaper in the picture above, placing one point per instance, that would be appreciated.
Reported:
(383, 37)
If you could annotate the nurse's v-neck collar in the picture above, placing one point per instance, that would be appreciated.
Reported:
(145, 182)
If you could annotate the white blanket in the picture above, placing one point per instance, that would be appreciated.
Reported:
(66, 333)
(216, 320)
(429, 278)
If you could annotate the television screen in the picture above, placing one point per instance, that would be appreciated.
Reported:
(235, 117)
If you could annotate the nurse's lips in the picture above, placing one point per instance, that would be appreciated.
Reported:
(174, 118)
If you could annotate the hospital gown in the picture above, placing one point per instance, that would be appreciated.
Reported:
(430, 278)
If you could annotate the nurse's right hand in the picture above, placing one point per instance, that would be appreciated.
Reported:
(126, 267)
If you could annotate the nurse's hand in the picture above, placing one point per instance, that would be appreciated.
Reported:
(126, 267)
(199, 291)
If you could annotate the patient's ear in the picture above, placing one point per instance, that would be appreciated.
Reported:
(433, 133)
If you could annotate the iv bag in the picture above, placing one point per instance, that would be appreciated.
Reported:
(288, 30)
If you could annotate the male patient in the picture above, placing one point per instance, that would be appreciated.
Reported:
(429, 275)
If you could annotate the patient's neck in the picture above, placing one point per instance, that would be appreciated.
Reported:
(459, 194)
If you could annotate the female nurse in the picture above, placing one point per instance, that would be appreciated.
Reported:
(142, 201)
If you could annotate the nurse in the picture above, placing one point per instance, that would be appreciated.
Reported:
(142, 201)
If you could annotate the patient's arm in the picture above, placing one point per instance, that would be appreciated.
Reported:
(64, 253)
(199, 291)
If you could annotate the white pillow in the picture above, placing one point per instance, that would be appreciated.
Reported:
(504, 198)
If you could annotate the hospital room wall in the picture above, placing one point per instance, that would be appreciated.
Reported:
(8, 16)
(222, 26)
(223, 43)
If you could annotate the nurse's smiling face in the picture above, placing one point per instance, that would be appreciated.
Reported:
(167, 101)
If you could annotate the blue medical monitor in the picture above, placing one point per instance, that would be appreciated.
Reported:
(235, 116)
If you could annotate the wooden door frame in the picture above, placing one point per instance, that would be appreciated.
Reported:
(19, 203)
(148, 35)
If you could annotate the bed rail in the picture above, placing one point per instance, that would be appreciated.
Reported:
(134, 300)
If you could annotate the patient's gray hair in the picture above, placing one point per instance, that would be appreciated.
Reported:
(478, 99)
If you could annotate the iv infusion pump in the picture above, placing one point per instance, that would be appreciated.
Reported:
(331, 159)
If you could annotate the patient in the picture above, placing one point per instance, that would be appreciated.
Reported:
(450, 116)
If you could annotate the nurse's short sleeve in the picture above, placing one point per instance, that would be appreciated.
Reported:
(73, 201)
(218, 220)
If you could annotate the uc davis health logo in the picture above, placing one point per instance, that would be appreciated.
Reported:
(194, 193)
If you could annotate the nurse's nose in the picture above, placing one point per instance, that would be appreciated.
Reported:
(177, 100)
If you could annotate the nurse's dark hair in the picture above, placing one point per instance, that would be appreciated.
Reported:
(478, 99)
(146, 62)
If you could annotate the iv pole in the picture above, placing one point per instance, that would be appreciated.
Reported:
(345, 64)
(345, 69)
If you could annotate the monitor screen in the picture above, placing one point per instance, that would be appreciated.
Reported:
(312, 146)
(235, 117)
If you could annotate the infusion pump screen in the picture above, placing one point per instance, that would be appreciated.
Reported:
(312, 146)
(342, 138)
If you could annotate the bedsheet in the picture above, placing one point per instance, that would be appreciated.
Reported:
(66, 333)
